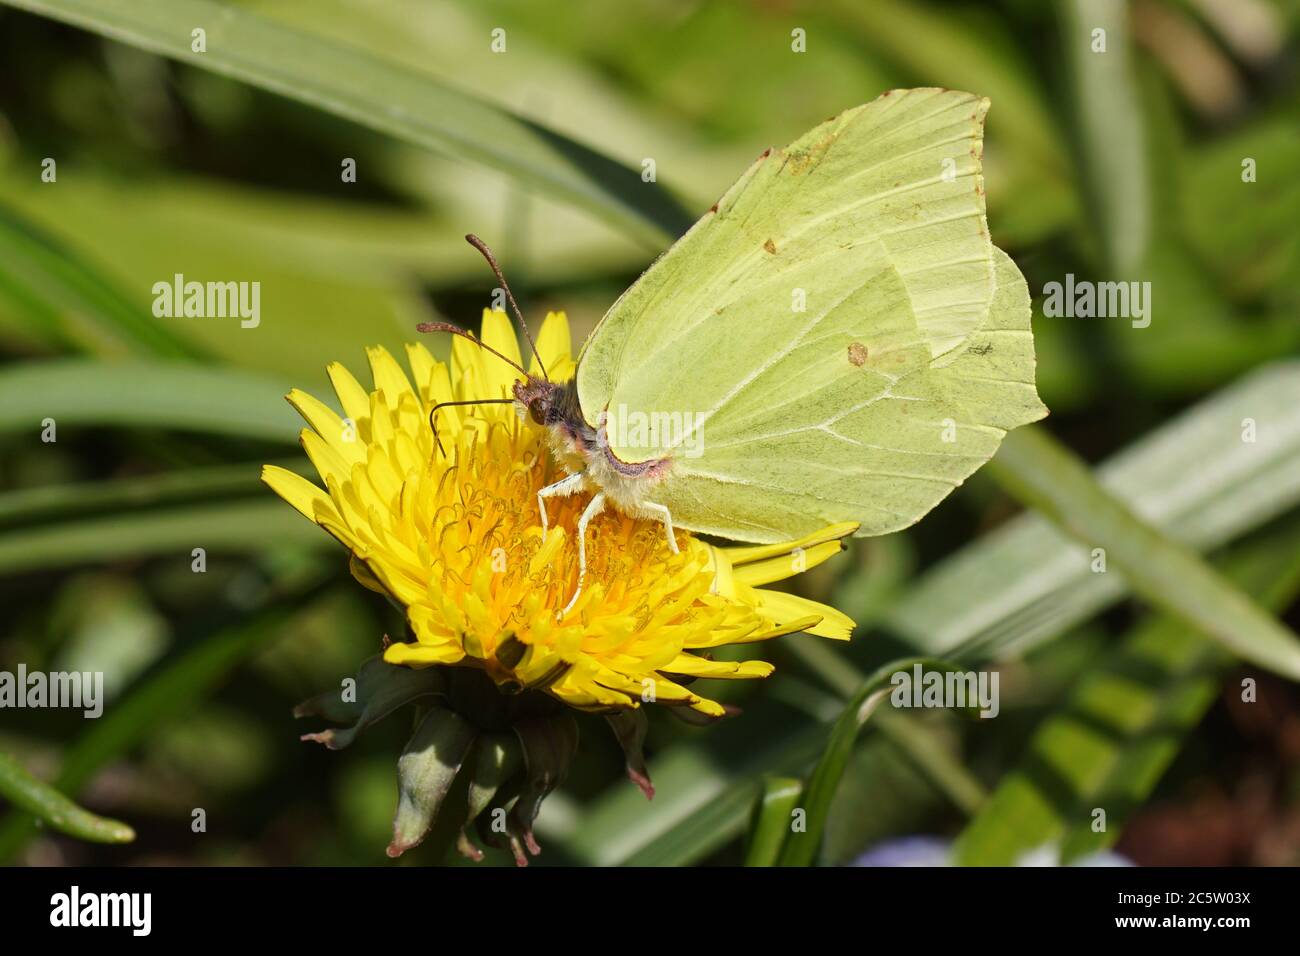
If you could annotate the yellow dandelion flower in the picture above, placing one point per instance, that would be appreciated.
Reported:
(453, 534)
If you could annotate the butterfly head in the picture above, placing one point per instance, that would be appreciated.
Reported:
(536, 398)
(546, 403)
(554, 406)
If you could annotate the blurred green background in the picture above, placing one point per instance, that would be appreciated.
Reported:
(1124, 164)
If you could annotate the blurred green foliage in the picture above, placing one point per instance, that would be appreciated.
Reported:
(1126, 164)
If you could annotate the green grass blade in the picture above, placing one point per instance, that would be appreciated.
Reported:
(1026, 582)
(221, 508)
(1109, 743)
(1046, 475)
(335, 275)
(707, 786)
(705, 789)
(800, 849)
(1112, 128)
(383, 96)
(144, 394)
(927, 755)
(773, 817)
(41, 800)
(45, 504)
(59, 295)
(177, 687)
(915, 742)
(230, 526)
(930, 41)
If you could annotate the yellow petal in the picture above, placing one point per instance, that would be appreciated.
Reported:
(756, 573)
(499, 333)
(739, 556)
(784, 608)
(326, 422)
(554, 345)
(422, 365)
(389, 377)
(710, 708)
(834, 624)
(329, 463)
(581, 691)
(422, 655)
(688, 665)
(467, 368)
(754, 634)
(310, 500)
(353, 398)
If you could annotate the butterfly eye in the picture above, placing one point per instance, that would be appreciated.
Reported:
(537, 411)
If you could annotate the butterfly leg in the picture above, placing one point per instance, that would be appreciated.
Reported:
(565, 486)
(594, 507)
(666, 517)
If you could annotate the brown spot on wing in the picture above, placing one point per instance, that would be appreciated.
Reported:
(801, 161)
(770, 247)
(857, 354)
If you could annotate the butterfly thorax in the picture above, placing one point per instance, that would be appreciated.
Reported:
(554, 405)
(580, 447)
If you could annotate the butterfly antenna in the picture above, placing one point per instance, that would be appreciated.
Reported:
(481, 246)
(433, 413)
(457, 330)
